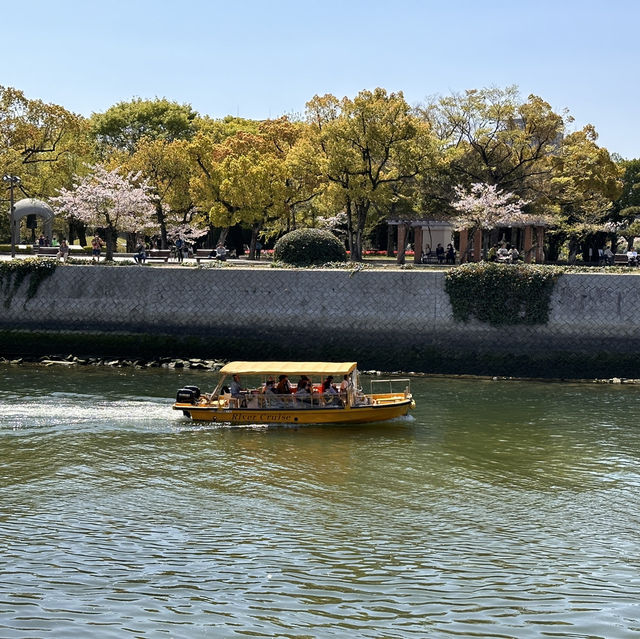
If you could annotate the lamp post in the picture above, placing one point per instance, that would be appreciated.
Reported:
(13, 181)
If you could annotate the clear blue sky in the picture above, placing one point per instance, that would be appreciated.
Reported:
(260, 59)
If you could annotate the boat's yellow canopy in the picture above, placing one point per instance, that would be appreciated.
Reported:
(288, 368)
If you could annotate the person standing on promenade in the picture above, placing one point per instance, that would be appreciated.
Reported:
(179, 245)
(96, 247)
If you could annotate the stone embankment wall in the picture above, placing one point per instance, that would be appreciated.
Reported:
(384, 319)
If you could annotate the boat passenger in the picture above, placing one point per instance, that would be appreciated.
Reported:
(327, 383)
(303, 378)
(283, 387)
(331, 396)
(302, 393)
(271, 397)
(236, 387)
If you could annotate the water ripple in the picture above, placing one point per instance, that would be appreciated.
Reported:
(118, 518)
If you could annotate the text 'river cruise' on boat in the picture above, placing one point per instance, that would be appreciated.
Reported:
(295, 393)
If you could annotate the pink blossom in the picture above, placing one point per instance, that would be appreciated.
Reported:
(107, 199)
(485, 207)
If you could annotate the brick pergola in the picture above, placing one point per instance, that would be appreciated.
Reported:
(532, 252)
(532, 249)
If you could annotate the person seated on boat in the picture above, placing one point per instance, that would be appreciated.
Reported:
(283, 387)
(344, 388)
(302, 393)
(303, 378)
(270, 395)
(269, 382)
(330, 393)
(236, 387)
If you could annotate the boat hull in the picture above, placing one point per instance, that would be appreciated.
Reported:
(350, 415)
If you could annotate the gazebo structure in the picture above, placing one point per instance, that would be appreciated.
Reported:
(29, 206)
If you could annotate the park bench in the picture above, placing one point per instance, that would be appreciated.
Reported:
(620, 258)
(46, 251)
(158, 254)
(203, 254)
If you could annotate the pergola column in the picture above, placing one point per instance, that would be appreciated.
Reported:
(528, 244)
(539, 244)
(464, 242)
(477, 246)
(417, 244)
(402, 237)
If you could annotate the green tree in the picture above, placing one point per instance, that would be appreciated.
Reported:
(122, 126)
(494, 138)
(241, 181)
(44, 144)
(584, 183)
(166, 167)
(368, 145)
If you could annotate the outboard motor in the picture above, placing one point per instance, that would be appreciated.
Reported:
(195, 389)
(188, 395)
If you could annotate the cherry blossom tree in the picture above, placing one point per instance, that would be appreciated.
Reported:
(106, 199)
(484, 206)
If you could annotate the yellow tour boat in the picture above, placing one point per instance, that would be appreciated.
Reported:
(325, 393)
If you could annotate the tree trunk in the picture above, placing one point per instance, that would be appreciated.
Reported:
(111, 237)
(131, 241)
(77, 229)
(349, 228)
(162, 223)
(255, 229)
(362, 209)
(390, 237)
(573, 250)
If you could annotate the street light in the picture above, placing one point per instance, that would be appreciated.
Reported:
(13, 181)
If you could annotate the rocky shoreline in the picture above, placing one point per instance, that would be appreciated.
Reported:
(216, 365)
(159, 362)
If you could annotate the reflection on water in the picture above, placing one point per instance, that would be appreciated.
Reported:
(500, 509)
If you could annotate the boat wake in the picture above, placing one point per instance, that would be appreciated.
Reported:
(77, 411)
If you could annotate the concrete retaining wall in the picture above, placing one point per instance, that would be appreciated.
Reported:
(392, 319)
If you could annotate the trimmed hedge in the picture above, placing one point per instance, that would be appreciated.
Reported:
(307, 247)
(501, 294)
(6, 248)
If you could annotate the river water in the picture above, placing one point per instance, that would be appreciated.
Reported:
(499, 509)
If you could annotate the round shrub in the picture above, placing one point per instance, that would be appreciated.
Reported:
(305, 247)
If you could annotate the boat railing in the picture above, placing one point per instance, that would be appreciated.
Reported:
(258, 400)
(392, 386)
